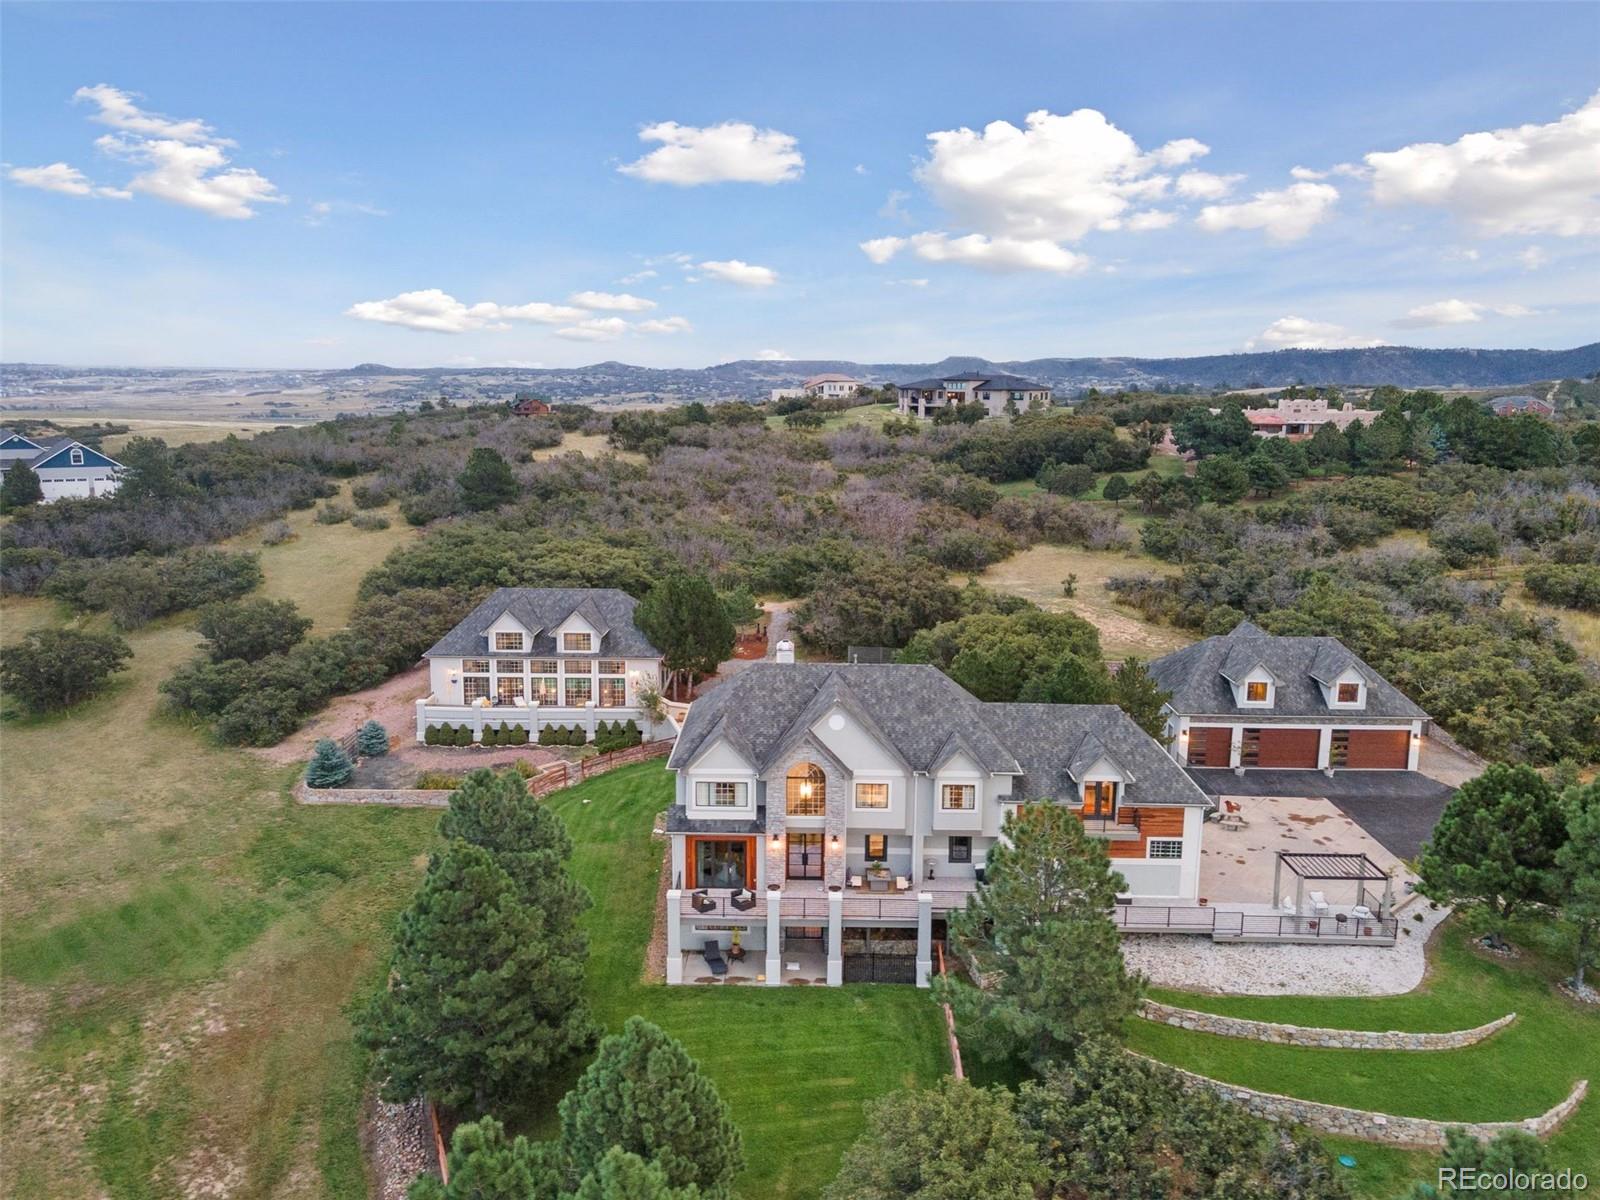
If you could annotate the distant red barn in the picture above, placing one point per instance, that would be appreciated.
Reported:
(530, 406)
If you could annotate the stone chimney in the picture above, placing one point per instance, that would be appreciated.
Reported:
(784, 652)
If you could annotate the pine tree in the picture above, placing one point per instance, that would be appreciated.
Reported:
(480, 1005)
(1495, 844)
(1041, 925)
(329, 767)
(625, 1176)
(644, 1094)
(527, 840)
(486, 1165)
(1117, 489)
(486, 481)
(1577, 878)
(686, 621)
(20, 488)
(372, 740)
(1136, 692)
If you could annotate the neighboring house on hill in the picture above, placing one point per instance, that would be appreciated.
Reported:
(530, 406)
(822, 387)
(924, 396)
(65, 467)
(1301, 418)
(851, 798)
(1506, 406)
(542, 656)
(1254, 700)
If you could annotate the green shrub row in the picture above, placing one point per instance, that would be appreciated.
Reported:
(614, 735)
(563, 735)
(447, 735)
(505, 735)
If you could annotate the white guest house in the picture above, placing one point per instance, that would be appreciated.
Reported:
(543, 656)
(67, 469)
(825, 808)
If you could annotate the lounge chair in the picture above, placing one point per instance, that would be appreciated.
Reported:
(703, 902)
(855, 881)
(902, 884)
(1319, 904)
(744, 901)
(714, 960)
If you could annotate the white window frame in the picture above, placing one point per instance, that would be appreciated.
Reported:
(1165, 843)
(75, 457)
(971, 790)
(570, 642)
(871, 783)
(511, 637)
(704, 789)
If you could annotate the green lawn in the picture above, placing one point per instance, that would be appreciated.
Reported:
(1519, 1072)
(871, 415)
(795, 1064)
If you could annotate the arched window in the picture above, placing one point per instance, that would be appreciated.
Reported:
(75, 457)
(806, 790)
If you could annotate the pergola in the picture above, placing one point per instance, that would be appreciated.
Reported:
(1331, 868)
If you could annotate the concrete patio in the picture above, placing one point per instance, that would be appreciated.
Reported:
(804, 963)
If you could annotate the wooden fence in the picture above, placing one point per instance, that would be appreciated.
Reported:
(563, 775)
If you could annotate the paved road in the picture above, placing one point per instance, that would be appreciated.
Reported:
(1399, 808)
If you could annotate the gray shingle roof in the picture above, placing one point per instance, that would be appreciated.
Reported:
(923, 715)
(542, 610)
(1013, 383)
(1197, 677)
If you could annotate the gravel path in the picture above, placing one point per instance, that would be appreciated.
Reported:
(1200, 965)
(399, 1146)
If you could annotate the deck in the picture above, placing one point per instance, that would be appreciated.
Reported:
(807, 900)
(1237, 925)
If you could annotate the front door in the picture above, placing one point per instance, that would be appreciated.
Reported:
(805, 856)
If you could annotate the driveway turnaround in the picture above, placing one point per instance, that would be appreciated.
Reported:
(1398, 808)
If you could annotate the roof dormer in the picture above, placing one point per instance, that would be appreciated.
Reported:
(581, 632)
(1254, 686)
(508, 635)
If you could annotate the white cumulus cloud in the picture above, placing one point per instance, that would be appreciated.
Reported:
(1298, 333)
(1533, 258)
(611, 301)
(1457, 312)
(594, 329)
(1527, 179)
(65, 179)
(732, 152)
(1306, 173)
(1203, 185)
(772, 356)
(436, 311)
(744, 274)
(665, 325)
(1284, 215)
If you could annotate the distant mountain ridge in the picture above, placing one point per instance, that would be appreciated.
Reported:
(360, 387)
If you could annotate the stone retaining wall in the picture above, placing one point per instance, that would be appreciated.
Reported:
(393, 797)
(1375, 1126)
(1306, 1035)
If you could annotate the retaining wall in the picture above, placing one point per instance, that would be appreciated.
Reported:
(1370, 1126)
(1307, 1035)
(393, 797)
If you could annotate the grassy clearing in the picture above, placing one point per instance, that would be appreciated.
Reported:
(1037, 575)
(181, 940)
(1518, 1073)
(795, 1064)
(870, 415)
(592, 445)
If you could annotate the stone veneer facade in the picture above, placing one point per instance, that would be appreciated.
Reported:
(1375, 1126)
(1306, 1035)
(837, 784)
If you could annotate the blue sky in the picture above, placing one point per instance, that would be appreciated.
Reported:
(672, 184)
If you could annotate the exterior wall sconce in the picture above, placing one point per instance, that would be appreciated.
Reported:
(836, 839)
(776, 841)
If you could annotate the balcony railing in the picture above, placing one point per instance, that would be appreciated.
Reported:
(1121, 827)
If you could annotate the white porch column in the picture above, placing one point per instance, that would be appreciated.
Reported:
(1414, 751)
(774, 936)
(674, 936)
(1325, 747)
(422, 719)
(835, 937)
(924, 938)
(589, 719)
(1236, 746)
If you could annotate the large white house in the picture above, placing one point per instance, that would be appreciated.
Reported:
(828, 386)
(534, 657)
(1300, 418)
(65, 467)
(1254, 700)
(818, 804)
(925, 396)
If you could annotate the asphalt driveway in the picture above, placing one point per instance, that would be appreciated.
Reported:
(1398, 808)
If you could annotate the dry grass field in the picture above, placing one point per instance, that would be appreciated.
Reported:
(1037, 575)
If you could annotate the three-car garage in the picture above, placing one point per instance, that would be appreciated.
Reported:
(1290, 748)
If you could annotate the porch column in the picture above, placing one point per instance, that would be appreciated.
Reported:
(1325, 747)
(924, 938)
(422, 720)
(1236, 746)
(774, 936)
(1414, 746)
(589, 720)
(674, 936)
(835, 938)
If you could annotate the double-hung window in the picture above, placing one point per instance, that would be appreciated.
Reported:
(1349, 693)
(580, 690)
(474, 679)
(508, 641)
(577, 643)
(872, 795)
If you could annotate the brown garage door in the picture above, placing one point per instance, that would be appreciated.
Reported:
(1377, 749)
(1210, 745)
(1282, 747)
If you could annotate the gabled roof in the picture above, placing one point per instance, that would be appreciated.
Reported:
(1090, 751)
(1243, 657)
(8, 435)
(540, 610)
(922, 715)
(57, 449)
(829, 377)
(1330, 662)
(1197, 677)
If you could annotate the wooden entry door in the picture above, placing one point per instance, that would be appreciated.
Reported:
(805, 856)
